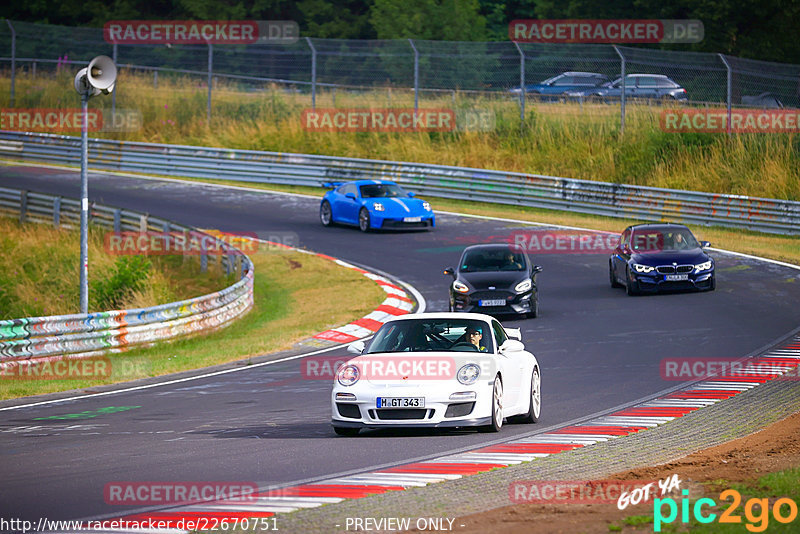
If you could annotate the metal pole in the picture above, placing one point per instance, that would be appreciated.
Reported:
(84, 267)
(313, 74)
(13, 60)
(521, 84)
(622, 97)
(210, 72)
(114, 93)
(416, 76)
(730, 88)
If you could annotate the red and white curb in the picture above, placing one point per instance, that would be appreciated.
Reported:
(758, 370)
(397, 302)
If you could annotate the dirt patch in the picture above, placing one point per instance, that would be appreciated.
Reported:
(743, 460)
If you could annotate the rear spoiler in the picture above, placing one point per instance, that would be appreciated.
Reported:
(514, 333)
(331, 185)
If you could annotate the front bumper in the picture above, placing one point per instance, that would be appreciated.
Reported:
(473, 302)
(655, 282)
(401, 223)
(439, 410)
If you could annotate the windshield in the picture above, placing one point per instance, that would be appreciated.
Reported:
(498, 259)
(382, 190)
(449, 335)
(661, 240)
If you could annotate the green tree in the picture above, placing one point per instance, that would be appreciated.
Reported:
(448, 20)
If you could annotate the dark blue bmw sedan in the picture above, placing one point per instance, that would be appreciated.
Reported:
(660, 257)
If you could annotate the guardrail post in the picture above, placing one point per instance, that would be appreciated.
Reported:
(228, 264)
(23, 207)
(210, 74)
(143, 223)
(521, 84)
(238, 265)
(314, 74)
(13, 60)
(730, 88)
(117, 220)
(622, 97)
(203, 262)
(416, 76)
(56, 212)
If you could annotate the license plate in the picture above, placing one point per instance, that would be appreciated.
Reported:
(401, 402)
(676, 277)
(412, 219)
(492, 302)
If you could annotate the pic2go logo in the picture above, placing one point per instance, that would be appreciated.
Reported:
(756, 511)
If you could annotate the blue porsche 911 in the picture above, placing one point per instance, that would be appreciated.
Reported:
(374, 204)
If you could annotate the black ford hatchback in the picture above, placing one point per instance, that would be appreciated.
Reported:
(494, 279)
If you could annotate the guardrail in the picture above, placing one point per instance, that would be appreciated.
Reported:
(84, 335)
(519, 189)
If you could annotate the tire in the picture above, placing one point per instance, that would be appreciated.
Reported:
(535, 403)
(534, 313)
(630, 287)
(345, 431)
(611, 277)
(363, 220)
(497, 408)
(325, 213)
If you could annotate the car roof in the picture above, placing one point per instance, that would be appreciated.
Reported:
(651, 75)
(580, 73)
(490, 246)
(655, 226)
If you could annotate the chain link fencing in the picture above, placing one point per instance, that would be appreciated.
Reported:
(405, 68)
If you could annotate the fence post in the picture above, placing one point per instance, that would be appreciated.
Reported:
(416, 76)
(56, 212)
(210, 73)
(521, 84)
(155, 79)
(313, 74)
(117, 220)
(13, 60)
(23, 207)
(729, 98)
(622, 97)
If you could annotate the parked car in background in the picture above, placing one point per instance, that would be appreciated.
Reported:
(649, 86)
(566, 81)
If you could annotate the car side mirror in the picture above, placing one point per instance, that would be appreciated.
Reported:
(351, 196)
(704, 244)
(537, 268)
(356, 347)
(450, 271)
(511, 345)
(411, 195)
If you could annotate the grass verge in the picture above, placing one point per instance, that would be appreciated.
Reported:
(296, 295)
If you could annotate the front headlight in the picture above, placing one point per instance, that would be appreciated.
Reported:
(426, 206)
(468, 374)
(523, 286)
(703, 266)
(460, 286)
(348, 375)
(377, 206)
(639, 268)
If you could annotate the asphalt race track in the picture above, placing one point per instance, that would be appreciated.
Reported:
(598, 349)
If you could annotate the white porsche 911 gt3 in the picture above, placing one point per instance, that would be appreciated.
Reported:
(437, 370)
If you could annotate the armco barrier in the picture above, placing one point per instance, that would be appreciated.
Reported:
(82, 335)
(534, 190)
